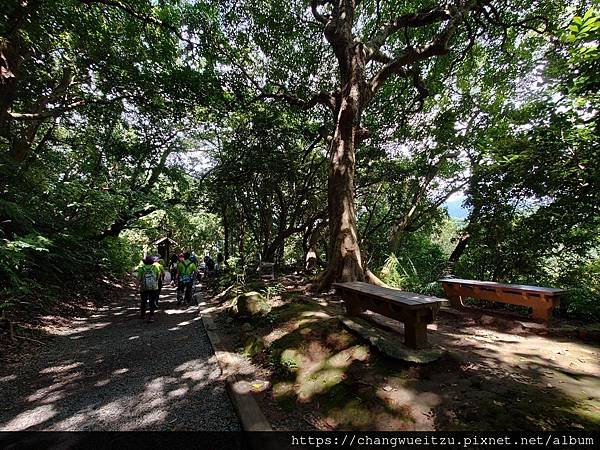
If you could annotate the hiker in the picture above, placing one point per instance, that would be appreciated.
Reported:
(148, 275)
(173, 269)
(186, 271)
(220, 262)
(160, 263)
(210, 265)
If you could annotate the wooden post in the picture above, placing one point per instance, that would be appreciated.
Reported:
(352, 301)
(415, 332)
(542, 309)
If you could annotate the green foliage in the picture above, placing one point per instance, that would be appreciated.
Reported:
(417, 267)
(117, 132)
(583, 282)
(102, 103)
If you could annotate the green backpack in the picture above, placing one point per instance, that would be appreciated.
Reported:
(149, 279)
(187, 277)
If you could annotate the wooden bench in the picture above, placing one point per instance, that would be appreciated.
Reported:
(414, 310)
(266, 270)
(541, 299)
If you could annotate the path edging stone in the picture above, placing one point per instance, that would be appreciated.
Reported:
(250, 414)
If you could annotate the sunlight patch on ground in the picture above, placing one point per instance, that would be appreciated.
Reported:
(178, 393)
(8, 378)
(175, 311)
(82, 329)
(30, 418)
(60, 369)
(198, 370)
(50, 391)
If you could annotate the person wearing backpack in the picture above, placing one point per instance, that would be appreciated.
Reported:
(148, 275)
(186, 271)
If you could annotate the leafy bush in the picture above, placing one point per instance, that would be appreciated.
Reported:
(416, 268)
(583, 297)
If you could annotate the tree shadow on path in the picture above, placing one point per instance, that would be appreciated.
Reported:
(114, 371)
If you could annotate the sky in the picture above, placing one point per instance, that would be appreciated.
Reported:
(454, 206)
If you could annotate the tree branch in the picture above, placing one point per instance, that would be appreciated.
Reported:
(437, 47)
(314, 4)
(411, 20)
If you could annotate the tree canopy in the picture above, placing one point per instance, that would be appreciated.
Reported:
(321, 134)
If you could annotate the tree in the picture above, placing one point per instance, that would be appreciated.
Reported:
(269, 164)
(534, 191)
(369, 44)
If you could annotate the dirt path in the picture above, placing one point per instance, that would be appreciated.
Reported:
(496, 374)
(113, 371)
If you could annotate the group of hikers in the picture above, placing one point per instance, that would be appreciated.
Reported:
(183, 272)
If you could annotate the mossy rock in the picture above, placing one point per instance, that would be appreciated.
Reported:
(249, 304)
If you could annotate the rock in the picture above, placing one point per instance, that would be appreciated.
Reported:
(487, 320)
(391, 344)
(250, 304)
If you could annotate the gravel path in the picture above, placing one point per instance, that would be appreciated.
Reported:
(113, 371)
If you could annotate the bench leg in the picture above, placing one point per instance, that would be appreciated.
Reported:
(543, 310)
(353, 307)
(455, 298)
(415, 334)
(456, 301)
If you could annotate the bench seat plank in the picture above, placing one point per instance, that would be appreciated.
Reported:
(409, 299)
(541, 299)
(414, 310)
(509, 287)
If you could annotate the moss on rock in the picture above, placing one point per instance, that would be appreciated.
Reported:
(249, 304)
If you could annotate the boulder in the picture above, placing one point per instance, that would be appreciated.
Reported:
(250, 304)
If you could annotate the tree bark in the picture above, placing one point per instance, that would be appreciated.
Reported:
(345, 262)
(459, 249)
(11, 55)
(311, 258)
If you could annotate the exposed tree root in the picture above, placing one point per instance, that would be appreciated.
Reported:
(222, 296)
(325, 280)
(371, 278)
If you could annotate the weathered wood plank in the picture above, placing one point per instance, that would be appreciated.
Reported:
(414, 310)
(502, 286)
(409, 299)
(541, 299)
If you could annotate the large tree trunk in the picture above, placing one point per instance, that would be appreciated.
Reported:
(17, 15)
(345, 262)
